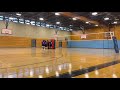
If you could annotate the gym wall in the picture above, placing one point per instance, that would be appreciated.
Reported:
(10, 41)
(23, 31)
(95, 30)
(94, 43)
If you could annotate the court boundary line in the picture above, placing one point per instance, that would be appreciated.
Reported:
(86, 70)
(33, 63)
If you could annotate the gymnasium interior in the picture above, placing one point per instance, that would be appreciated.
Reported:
(59, 44)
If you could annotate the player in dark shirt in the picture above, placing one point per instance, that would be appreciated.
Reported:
(50, 44)
(43, 44)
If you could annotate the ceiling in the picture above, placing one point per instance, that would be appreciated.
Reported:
(67, 21)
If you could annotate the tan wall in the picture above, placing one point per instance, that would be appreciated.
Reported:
(96, 30)
(23, 30)
(10, 41)
(22, 35)
(89, 37)
(76, 33)
(117, 32)
(64, 44)
(57, 44)
(38, 42)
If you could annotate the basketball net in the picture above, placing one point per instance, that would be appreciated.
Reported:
(6, 24)
(88, 36)
(56, 34)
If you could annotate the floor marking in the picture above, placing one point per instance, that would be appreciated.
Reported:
(87, 70)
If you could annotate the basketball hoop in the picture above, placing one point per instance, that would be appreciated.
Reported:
(6, 31)
(83, 36)
(55, 36)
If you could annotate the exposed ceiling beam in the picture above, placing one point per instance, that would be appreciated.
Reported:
(81, 18)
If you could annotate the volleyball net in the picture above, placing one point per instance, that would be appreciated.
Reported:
(102, 40)
(87, 36)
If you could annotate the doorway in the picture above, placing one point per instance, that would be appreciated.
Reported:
(60, 44)
(33, 43)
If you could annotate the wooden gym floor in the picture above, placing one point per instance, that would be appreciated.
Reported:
(60, 62)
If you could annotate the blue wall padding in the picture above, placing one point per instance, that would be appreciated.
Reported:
(92, 44)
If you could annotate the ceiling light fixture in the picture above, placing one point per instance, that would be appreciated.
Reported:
(71, 25)
(94, 13)
(41, 19)
(57, 22)
(18, 14)
(96, 25)
(115, 22)
(87, 22)
(106, 18)
(57, 14)
(71, 29)
(74, 18)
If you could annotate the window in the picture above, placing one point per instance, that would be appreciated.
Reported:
(57, 26)
(15, 20)
(64, 28)
(54, 26)
(32, 22)
(68, 30)
(7, 18)
(47, 25)
(27, 22)
(51, 26)
(37, 23)
(43, 24)
(1, 18)
(11, 18)
(21, 21)
(61, 28)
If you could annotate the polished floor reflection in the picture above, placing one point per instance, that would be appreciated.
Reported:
(39, 63)
(108, 72)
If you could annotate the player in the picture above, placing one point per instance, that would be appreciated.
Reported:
(50, 44)
(47, 43)
(43, 44)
